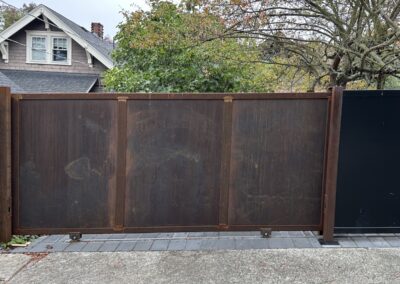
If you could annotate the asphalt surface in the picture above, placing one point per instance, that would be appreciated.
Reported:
(339, 265)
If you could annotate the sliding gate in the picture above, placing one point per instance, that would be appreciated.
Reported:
(100, 163)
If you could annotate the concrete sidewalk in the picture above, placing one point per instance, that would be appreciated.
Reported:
(225, 266)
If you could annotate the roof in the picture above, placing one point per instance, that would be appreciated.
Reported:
(97, 47)
(22, 81)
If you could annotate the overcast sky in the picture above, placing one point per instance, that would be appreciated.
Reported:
(84, 12)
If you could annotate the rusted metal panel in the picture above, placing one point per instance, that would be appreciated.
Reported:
(173, 163)
(5, 164)
(168, 162)
(277, 162)
(67, 164)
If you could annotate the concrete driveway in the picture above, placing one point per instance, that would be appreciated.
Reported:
(240, 266)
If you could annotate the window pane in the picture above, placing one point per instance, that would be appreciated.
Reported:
(39, 42)
(38, 48)
(60, 55)
(60, 43)
(39, 55)
(60, 50)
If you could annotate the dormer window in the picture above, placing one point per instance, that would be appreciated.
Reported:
(48, 48)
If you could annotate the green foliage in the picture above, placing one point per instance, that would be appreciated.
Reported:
(168, 50)
(9, 15)
(18, 239)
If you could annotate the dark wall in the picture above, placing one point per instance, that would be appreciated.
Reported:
(368, 193)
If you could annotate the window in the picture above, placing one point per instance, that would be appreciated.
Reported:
(48, 48)
(60, 50)
(38, 48)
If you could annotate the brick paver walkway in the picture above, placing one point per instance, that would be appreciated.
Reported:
(202, 241)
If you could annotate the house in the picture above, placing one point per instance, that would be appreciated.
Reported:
(48, 53)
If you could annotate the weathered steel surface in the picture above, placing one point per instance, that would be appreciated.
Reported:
(277, 162)
(168, 162)
(332, 158)
(5, 164)
(173, 163)
(67, 161)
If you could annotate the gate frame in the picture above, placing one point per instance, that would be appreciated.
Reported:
(5, 165)
(331, 153)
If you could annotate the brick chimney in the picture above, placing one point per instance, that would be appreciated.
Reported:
(98, 29)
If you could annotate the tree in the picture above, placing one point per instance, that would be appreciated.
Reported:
(173, 48)
(339, 41)
(9, 15)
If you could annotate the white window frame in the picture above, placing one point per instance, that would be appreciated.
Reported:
(49, 47)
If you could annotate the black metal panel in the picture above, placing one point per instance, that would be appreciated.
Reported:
(368, 193)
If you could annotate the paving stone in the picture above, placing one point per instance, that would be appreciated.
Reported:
(17, 250)
(177, 244)
(126, 246)
(103, 236)
(193, 244)
(92, 247)
(393, 241)
(296, 234)
(362, 242)
(109, 246)
(347, 243)
(60, 246)
(180, 235)
(75, 247)
(196, 234)
(242, 244)
(301, 243)
(149, 235)
(117, 237)
(54, 238)
(159, 245)
(249, 234)
(227, 244)
(143, 245)
(211, 234)
(229, 234)
(379, 242)
(261, 243)
(165, 235)
(133, 236)
(37, 241)
(208, 244)
(314, 243)
(87, 237)
(280, 234)
(278, 243)
(43, 246)
(308, 234)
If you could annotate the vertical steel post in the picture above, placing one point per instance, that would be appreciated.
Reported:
(5, 165)
(226, 161)
(332, 159)
(121, 164)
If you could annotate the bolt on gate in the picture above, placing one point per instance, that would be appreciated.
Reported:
(101, 163)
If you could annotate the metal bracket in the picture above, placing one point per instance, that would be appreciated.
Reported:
(75, 236)
(266, 232)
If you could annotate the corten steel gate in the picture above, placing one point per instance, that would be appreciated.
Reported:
(97, 163)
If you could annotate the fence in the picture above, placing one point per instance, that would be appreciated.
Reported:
(97, 163)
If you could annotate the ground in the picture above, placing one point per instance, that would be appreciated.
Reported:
(224, 257)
